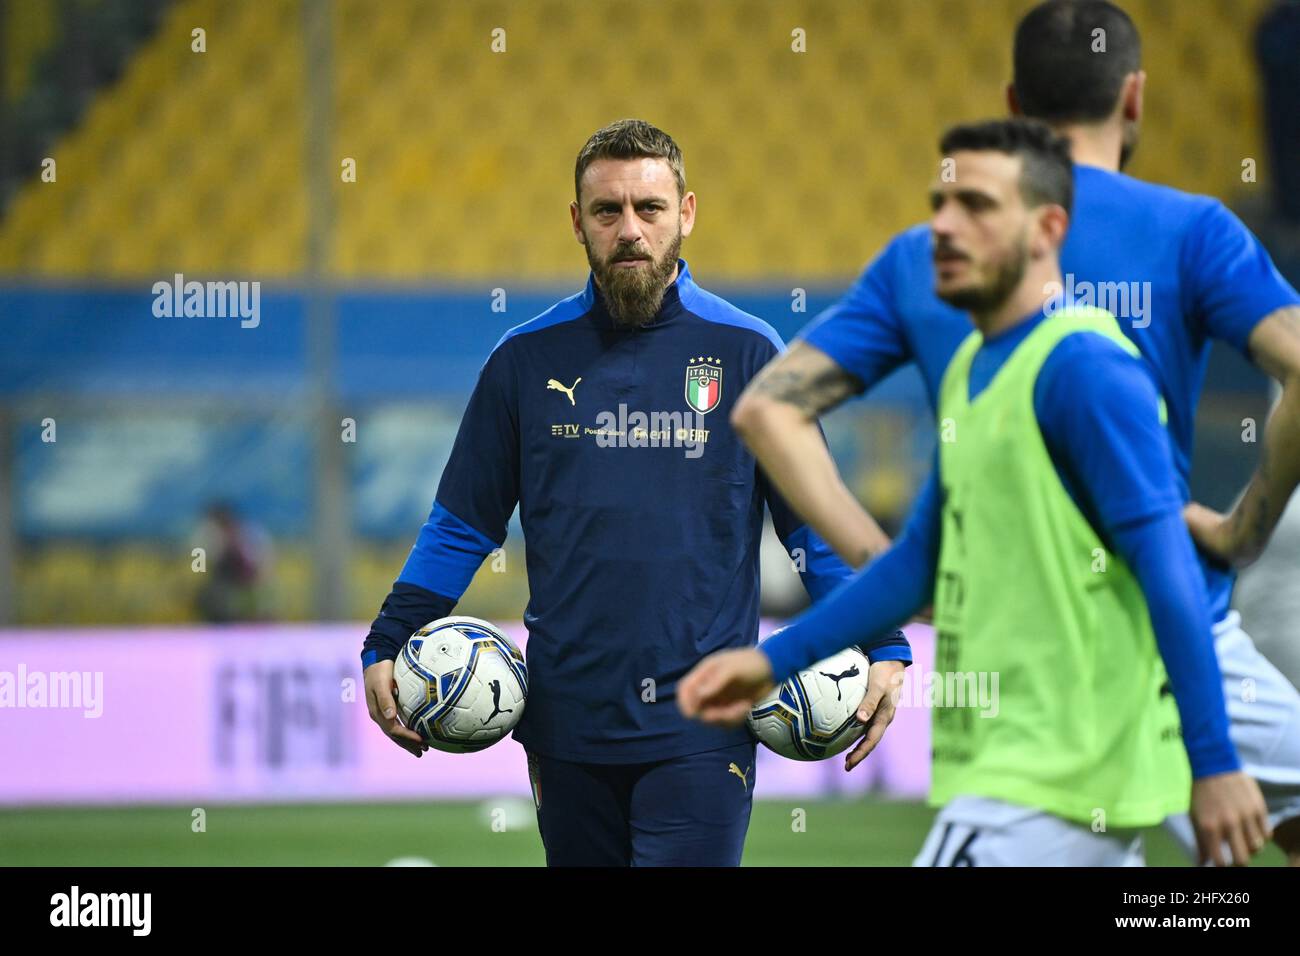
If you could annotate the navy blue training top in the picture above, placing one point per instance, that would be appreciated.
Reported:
(641, 560)
(1176, 269)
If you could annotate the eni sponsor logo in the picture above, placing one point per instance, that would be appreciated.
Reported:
(637, 429)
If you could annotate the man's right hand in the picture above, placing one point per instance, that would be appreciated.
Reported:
(380, 690)
(1228, 807)
(725, 686)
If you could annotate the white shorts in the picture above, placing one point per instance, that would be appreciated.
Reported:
(978, 831)
(1264, 714)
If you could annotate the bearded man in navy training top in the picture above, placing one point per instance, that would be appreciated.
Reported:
(605, 419)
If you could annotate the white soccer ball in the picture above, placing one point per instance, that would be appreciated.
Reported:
(813, 715)
(461, 684)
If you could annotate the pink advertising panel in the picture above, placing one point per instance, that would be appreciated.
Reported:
(277, 713)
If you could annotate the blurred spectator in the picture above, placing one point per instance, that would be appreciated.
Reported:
(238, 560)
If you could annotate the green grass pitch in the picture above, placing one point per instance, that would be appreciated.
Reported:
(488, 833)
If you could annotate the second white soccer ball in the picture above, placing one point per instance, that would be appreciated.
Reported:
(813, 715)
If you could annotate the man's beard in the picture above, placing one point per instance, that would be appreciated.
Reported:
(633, 296)
(986, 298)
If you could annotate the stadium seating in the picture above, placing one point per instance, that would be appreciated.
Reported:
(196, 160)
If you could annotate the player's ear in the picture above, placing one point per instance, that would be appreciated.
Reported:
(1134, 88)
(1013, 101)
(688, 214)
(576, 216)
(1054, 222)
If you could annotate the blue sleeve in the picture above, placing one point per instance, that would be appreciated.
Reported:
(869, 605)
(476, 496)
(1098, 411)
(447, 553)
(1159, 550)
(1232, 281)
(862, 332)
(480, 483)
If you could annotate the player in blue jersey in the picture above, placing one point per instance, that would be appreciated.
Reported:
(605, 419)
(1177, 269)
(1051, 453)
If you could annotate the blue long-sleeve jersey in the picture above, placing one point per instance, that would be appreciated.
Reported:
(1176, 269)
(642, 514)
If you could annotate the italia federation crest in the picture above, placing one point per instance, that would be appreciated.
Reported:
(704, 383)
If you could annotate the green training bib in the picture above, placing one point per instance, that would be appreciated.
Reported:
(1083, 724)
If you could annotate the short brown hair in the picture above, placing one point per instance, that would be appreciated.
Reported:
(630, 139)
(1046, 169)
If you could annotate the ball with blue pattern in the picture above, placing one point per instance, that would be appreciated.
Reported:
(813, 715)
(461, 684)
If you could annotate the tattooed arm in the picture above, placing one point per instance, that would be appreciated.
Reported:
(777, 418)
(1240, 536)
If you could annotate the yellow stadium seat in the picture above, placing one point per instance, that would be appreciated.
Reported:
(821, 154)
